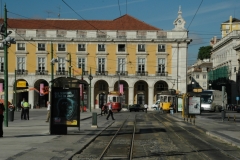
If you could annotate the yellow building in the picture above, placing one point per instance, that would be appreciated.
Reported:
(142, 58)
(233, 24)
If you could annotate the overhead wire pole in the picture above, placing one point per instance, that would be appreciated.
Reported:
(5, 69)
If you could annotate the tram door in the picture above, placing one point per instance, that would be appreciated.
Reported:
(102, 99)
(140, 99)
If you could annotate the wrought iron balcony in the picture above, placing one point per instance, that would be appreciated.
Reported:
(41, 72)
(21, 72)
(85, 73)
(62, 73)
(103, 73)
(141, 73)
(122, 73)
(161, 73)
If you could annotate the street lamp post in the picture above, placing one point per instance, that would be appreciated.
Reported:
(90, 77)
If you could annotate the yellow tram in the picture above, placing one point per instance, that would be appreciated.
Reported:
(168, 99)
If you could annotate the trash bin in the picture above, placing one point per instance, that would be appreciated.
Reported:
(10, 114)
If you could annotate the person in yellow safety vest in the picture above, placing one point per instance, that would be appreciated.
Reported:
(26, 110)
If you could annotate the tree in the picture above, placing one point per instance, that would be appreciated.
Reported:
(204, 52)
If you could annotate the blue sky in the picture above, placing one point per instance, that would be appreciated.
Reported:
(159, 13)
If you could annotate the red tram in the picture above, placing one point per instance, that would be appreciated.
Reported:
(116, 98)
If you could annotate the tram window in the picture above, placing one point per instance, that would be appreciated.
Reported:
(169, 99)
(114, 99)
(165, 98)
(161, 98)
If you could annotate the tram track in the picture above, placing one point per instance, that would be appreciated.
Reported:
(114, 142)
(194, 141)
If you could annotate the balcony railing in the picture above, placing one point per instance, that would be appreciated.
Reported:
(161, 50)
(122, 73)
(41, 72)
(103, 73)
(161, 73)
(61, 72)
(141, 73)
(85, 73)
(21, 72)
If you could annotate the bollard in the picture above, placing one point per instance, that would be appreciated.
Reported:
(234, 117)
(223, 114)
(228, 117)
(94, 120)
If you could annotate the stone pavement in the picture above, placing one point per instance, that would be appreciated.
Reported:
(30, 139)
(25, 139)
(227, 130)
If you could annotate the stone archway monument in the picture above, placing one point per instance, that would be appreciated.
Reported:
(65, 104)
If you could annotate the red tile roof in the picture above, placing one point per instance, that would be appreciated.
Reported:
(125, 22)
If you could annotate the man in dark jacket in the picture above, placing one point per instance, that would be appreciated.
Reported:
(2, 109)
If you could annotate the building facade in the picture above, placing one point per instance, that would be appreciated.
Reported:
(126, 52)
(226, 61)
(198, 75)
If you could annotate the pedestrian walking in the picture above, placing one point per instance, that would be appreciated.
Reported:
(22, 109)
(104, 110)
(110, 111)
(2, 109)
(26, 110)
(48, 111)
(145, 107)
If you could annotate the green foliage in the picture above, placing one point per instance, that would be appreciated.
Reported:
(204, 52)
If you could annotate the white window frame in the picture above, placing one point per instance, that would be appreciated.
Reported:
(141, 65)
(101, 47)
(62, 47)
(21, 46)
(121, 64)
(41, 45)
(161, 65)
(41, 62)
(101, 64)
(82, 63)
(81, 46)
(141, 48)
(161, 48)
(61, 64)
(21, 63)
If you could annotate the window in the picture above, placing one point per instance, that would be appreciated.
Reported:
(81, 63)
(101, 64)
(141, 48)
(161, 65)
(197, 76)
(140, 87)
(121, 64)
(161, 48)
(141, 65)
(121, 48)
(1, 64)
(61, 47)
(81, 47)
(41, 64)
(101, 47)
(61, 64)
(204, 76)
(102, 87)
(21, 46)
(41, 46)
(20, 63)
